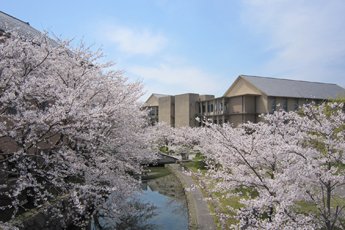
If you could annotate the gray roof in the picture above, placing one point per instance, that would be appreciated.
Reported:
(160, 95)
(295, 88)
(10, 24)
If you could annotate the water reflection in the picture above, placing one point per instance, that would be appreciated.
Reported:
(130, 214)
(167, 195)
(161, 205)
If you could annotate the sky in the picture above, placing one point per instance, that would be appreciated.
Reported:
(201, 46)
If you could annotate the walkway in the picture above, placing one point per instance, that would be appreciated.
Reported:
(199, 214)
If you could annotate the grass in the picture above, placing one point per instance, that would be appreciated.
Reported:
(310, 207)
(197, 164)
(220, 202)
(155, 172)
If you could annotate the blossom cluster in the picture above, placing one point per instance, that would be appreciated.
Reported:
(71, 130)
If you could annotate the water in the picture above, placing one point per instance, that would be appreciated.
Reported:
(172, 212)
(162, 190)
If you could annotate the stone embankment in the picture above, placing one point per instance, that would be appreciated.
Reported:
(199, 214)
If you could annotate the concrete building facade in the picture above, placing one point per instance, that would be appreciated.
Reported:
(167, 110)
(245, 100)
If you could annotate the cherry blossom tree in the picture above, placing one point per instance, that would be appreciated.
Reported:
(281, 167)
(71, 130)
(161, 136)
(178, 141)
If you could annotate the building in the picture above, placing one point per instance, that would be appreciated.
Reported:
(245, 100)
(10, 24)
(153, 102)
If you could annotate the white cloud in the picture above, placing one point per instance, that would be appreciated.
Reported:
(169, 79)
(134, 41)
(307, 38)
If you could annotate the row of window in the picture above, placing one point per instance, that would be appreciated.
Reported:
(211, 107)
(283, 103)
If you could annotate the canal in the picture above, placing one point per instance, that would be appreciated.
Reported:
(161, 205)
(165, 192)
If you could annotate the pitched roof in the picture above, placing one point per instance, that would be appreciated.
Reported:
(9, 23)
(153, 99)
(159, 95)
(295, 88)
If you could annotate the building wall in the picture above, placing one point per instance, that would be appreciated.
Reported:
(215, 110)
(242, 102)
(238, 119)
(249, 118)
(235, 105)
(153, 114)
(206, 97)
(152, 101)
(243, 109)
(249, 104)
(271, 104)
(235, 119)
(167, 110)
(186, 108)
(261, 104)
(293, 104)
(288, 103)
(242, 87)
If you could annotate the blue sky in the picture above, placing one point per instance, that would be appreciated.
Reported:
(201, 46)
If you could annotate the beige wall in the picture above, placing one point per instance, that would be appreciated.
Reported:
(206, 97)
(152, 101)
(250, 117)
(241, 87)
(249, 104)
(292, 104)
(261, 104)
(242, 104)
(235, 120)
(235, 104)
(255, 101)
(166, 112)
(186, 107)
(238, 119)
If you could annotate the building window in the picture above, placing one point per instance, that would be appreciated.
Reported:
(210, 108)
(285, 104)
(273, 104)
(296, 104)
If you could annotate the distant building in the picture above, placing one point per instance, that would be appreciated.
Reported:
(152, 103)
(245, 100)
